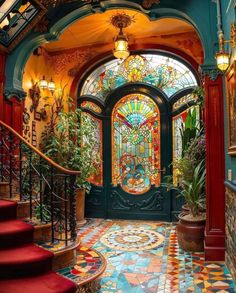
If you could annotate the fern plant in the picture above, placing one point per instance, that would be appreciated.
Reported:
(71, 143)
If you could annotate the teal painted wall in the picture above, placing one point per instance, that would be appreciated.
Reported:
(228, 16)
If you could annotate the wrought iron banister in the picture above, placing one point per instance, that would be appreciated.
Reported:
(48, 187)
(51, 162)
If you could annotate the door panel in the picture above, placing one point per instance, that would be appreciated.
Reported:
(137, 139)
(136, 145)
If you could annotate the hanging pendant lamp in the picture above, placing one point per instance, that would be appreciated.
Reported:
(121, 21)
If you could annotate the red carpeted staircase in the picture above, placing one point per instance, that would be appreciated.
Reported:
(25, 267)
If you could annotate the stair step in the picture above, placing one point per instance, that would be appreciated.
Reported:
(25, 260)
(23, 207)
(7, 209)
(49, 282)
(4, 189)
(15, 232)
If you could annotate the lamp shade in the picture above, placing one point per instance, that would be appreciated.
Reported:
(51, 85)
(222, 60)
(121, 50)
(43, 84)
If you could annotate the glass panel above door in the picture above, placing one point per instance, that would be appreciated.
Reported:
(163, 72)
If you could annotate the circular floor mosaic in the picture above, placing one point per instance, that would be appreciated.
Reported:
(132, 239)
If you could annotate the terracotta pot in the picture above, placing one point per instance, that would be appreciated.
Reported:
(190, 233)
(80, 205)
(185, 209)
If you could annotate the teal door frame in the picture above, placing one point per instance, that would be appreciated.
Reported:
(98, 203)
(155, 204)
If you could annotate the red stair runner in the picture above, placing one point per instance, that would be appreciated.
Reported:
(15, 232)
(44, 283)
(7, 209)
(25, 267)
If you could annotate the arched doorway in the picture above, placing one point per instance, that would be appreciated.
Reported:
(137, 105)
(206, 28)
(138, 158)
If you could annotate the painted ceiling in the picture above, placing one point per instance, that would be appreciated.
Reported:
(95, 32)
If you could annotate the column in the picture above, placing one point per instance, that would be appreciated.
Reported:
(215, 168)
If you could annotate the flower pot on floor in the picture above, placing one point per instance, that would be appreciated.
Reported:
(80, 206)
(190, 232)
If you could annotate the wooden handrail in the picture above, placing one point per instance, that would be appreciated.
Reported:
(51, 162)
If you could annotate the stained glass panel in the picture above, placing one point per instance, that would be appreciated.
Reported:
(135, 144)
(184, 100)
(164, 72)
(178, 124)
(91, 106)
(97, 178)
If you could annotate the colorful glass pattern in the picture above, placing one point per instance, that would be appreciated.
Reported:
(135, 144)
(178, 124)
(160, 71)
(184, 100)
(91, 106)
(97, 178)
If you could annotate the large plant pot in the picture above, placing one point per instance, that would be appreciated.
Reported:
(190, 233)
(80, 205)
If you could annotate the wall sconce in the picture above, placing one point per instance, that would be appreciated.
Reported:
(222, 57)
(51, 86)
(43, 84)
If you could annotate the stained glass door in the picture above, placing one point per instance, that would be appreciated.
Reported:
(138, 160)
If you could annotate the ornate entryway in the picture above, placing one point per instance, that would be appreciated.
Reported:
(138, 107)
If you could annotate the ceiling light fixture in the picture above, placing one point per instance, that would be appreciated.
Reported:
(121, 21)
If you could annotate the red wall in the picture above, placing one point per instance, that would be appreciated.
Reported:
(10, 110)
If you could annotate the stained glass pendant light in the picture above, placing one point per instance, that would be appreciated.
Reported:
(121, 21)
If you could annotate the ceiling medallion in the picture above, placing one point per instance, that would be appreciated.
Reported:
(147, 4)
(121, 20)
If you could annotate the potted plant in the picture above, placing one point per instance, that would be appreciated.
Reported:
(70, 141)
(191, 186)
(191, 225)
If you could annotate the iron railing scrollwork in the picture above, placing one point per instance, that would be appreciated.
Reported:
(47, 187)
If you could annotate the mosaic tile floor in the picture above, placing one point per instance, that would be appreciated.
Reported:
(89, 263)
(149, 260)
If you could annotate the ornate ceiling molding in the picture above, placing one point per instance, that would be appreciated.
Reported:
(210, 70)
(12, 92)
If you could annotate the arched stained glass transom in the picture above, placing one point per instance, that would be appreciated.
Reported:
(166, 73)
(91, 106)
(185, 100)
(135, 143)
